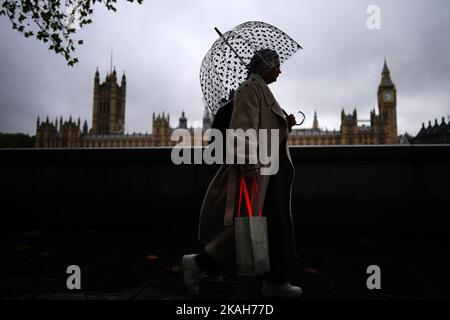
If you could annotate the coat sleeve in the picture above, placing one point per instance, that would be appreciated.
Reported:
(245, 116)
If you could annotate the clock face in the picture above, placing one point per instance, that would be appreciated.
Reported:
(388, 96)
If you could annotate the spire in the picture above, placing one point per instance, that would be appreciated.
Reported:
(96, 77)
(315, 122)
(182, 121)
(85, 127)
(386, 76)
(114, 75)
(385, 67)
(38, 121)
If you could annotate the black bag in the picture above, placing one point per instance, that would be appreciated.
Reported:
(223, 117)
(222, 122)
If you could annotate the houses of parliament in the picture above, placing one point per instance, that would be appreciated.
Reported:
(108, 123)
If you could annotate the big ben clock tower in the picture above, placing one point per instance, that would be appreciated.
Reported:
(387, 105)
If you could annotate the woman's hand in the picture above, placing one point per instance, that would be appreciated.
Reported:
(291, 121)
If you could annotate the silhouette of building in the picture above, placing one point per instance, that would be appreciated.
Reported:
(436, 134)
(108, 123)
(405, 138)
(382, 128)
(109, 105)
(182, 123)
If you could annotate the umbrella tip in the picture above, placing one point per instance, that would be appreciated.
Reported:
(217, 30)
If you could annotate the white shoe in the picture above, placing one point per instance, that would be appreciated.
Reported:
(281, 290)
(192, 274)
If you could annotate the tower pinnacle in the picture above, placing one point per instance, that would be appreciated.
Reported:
(315, 122)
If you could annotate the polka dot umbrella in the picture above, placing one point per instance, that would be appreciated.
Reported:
(225, 65)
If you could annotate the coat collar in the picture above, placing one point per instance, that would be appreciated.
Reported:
(268, 95)
(270, 99)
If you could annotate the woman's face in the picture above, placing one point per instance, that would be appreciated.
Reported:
(271, 75)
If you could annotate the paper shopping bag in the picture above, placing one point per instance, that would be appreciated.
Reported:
(252, 247)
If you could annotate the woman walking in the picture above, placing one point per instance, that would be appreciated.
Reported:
(254, 108)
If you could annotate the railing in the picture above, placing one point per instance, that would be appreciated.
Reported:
(337, 188)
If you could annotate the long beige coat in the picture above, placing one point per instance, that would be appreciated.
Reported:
(254, 107)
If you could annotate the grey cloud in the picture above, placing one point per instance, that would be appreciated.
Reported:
(160, 46)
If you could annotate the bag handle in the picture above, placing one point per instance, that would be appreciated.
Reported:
(248, 201)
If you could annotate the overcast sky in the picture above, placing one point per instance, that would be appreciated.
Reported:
(160, 46)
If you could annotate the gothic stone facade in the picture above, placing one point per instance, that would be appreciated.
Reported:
(382, 129)
(108, 121)
(439, 133)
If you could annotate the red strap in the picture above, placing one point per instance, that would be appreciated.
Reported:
(248, 201)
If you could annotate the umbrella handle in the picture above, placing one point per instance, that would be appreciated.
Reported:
(297, 124)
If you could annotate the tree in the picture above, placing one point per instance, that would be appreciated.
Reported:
(16, 140)
(53, 21)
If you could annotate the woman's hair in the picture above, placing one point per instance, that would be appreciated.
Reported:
(262, 61)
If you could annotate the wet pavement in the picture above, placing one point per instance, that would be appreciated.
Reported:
(144, 264)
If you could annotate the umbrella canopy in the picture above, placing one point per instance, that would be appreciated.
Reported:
(225, 65)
